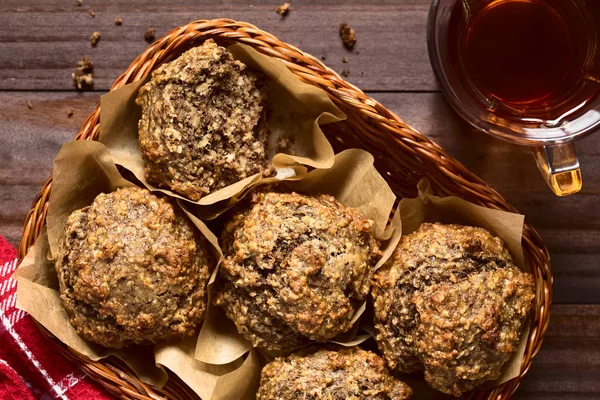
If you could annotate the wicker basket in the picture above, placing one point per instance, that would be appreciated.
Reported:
(402, 156)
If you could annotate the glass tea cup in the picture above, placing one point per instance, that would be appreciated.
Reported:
(525, 71)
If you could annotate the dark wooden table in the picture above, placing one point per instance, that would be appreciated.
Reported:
(41, 42)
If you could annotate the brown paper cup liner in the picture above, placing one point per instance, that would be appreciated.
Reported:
(294, 110)
(82, 170)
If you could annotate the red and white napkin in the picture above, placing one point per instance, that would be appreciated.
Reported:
(30, 365)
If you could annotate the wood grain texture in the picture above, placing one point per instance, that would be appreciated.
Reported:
(568, 365)
(46, 39)
(29, 141)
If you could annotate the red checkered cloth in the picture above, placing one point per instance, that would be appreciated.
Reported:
(30, 365)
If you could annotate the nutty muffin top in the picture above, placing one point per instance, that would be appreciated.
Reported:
(296, 268)
(203, 125)
(333, 372)
(133, 269)
(450, 301)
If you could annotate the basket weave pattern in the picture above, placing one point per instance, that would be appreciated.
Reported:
(402, 156)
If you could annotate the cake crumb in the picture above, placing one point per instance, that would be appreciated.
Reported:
(118, 21)
(344, 60)
(323, 58)
(94, 39)
(149, 35)
(285, 144)
(348, 35)
(283, 9)
(345, 73)
(83, 74)
(79, 3)
(29, 105)
(70, 112)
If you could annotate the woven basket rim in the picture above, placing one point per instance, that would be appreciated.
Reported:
(447, 176)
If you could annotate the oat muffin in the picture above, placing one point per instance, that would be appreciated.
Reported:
(132, 269)
(331, 373)
(296, 268)
(203, 123)
(450, 301)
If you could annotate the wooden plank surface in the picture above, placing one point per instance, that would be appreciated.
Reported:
(568, 365)
(391, 52)
(40, 43)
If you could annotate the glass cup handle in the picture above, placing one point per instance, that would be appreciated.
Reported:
(559, 167)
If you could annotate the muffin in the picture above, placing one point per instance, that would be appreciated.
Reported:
(203, 123)
(330, 373)
(132, 269)
(450, 301)
(296, 268)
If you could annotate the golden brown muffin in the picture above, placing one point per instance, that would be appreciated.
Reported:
(203, 123)
(331, 373)
(296, 268)
(133, 269)
(450, 301)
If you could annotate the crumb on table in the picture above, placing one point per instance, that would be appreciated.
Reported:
(29, 105)
(93, 14)
(345, 73)
(283, 9)
(83, 74)
(79, 2)
(95, 38)
(348, 35)
(70, 112)
(118, 21)
(150, 34)
(344, 60)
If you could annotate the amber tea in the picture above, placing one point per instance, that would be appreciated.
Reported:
(526, 59)
(525, 71)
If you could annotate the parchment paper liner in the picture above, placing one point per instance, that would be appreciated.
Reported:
(82, 170)
(354, 181)
(409, 215)
(239, 378)
(294, 109)
(452, 210)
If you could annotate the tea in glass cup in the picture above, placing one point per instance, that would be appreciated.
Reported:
(526, 71)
